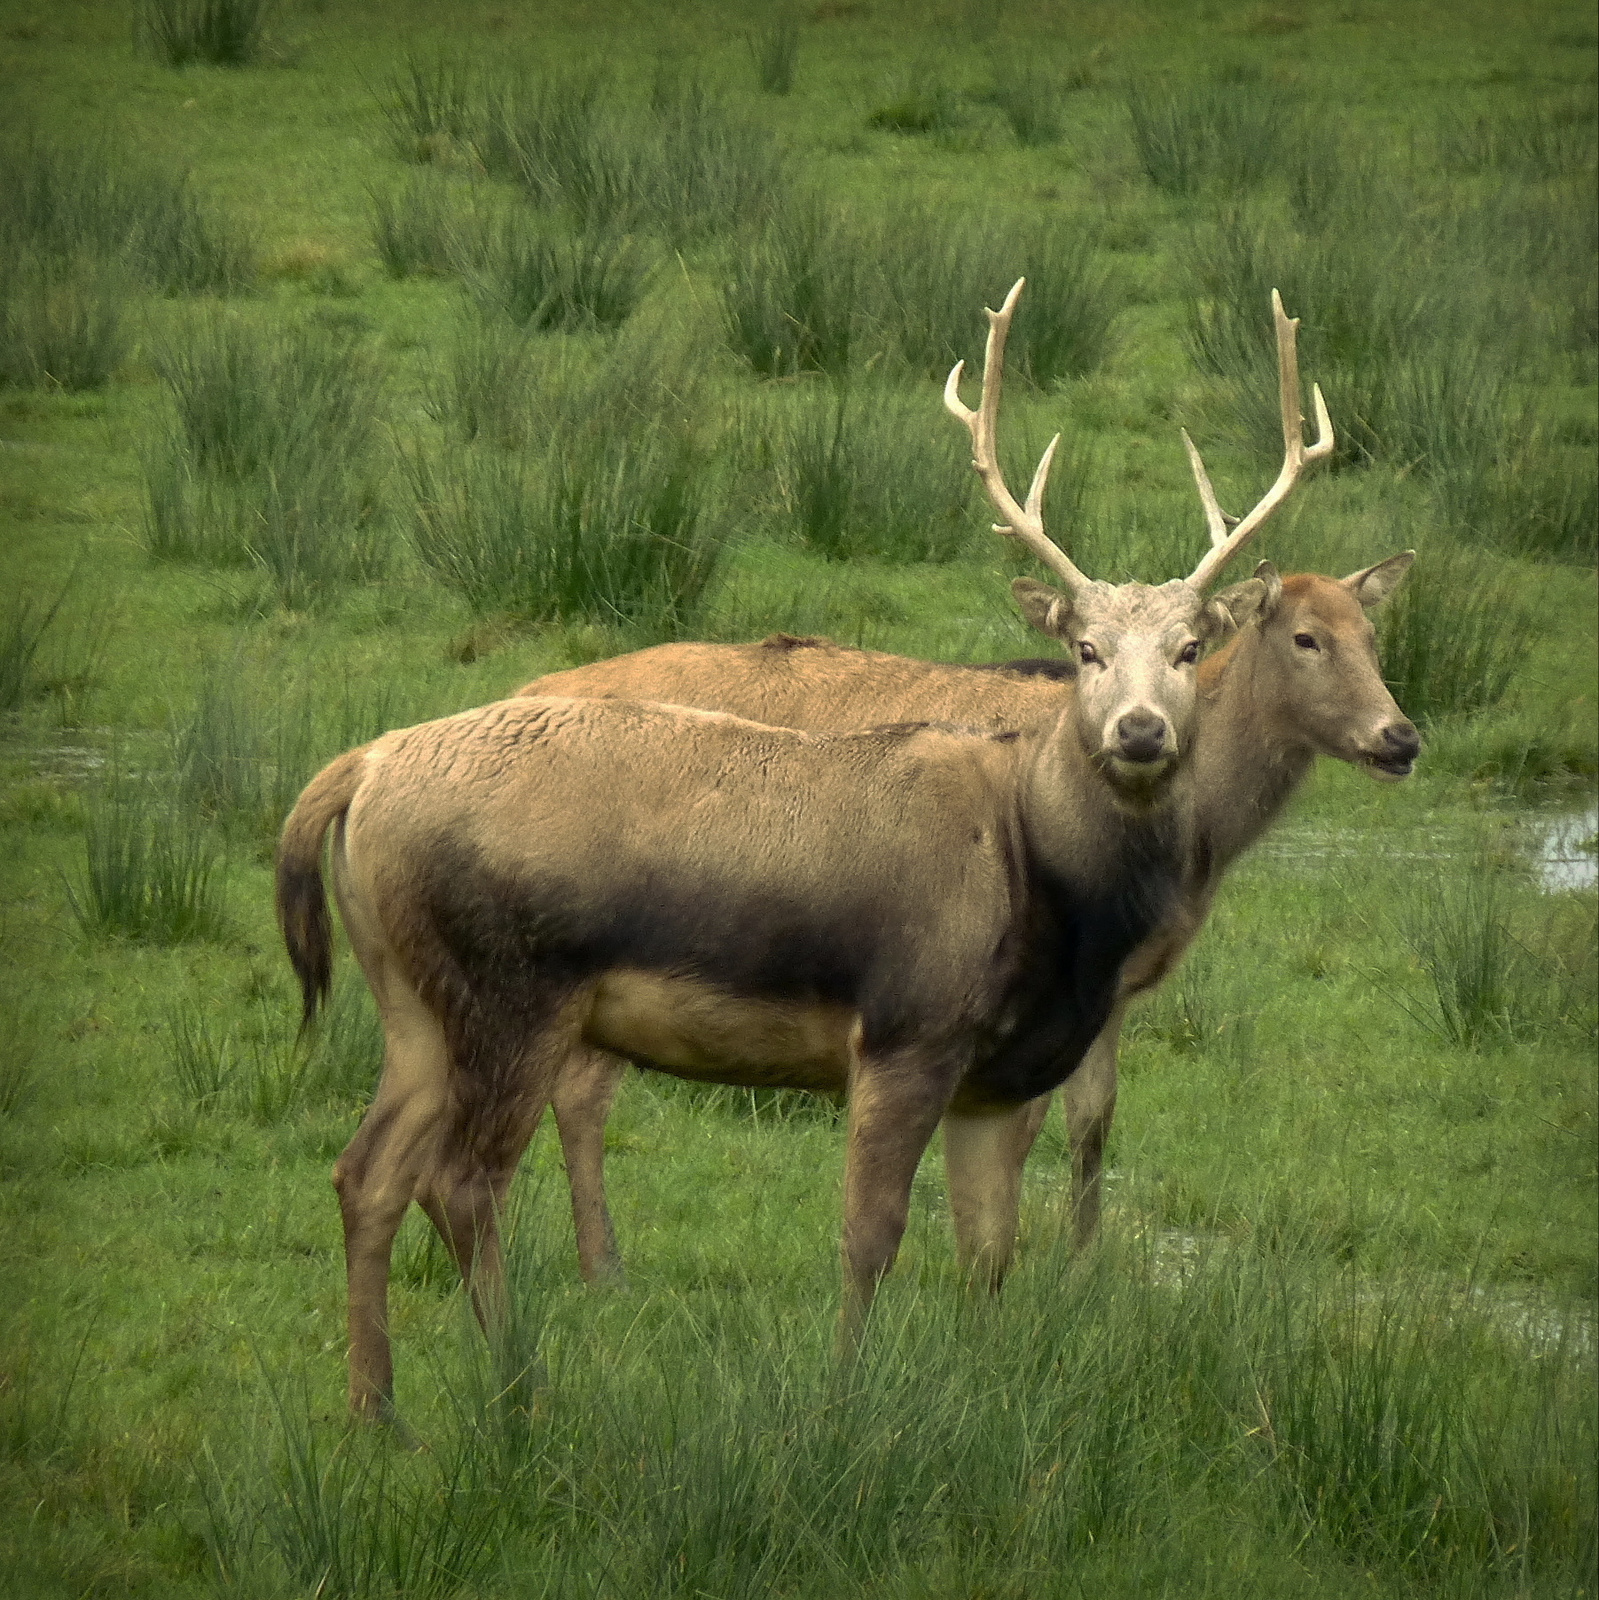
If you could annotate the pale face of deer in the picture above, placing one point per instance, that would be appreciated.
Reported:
(1137, 651)
(1322, 648)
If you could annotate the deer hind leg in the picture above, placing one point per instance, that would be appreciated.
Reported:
(471, 1178)
(1089, 1096)
(582, 1102)
(895, 1102)
(385, 1166)
(985, 1149)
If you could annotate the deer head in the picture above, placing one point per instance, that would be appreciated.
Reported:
(1137, 645)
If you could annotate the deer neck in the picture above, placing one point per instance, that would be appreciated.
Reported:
(1083, 830)
(1247, 761)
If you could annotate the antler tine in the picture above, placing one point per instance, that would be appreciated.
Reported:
(1023, 523)
(1217, 520)
(1296, 454)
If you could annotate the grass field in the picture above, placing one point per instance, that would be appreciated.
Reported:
(416, 350)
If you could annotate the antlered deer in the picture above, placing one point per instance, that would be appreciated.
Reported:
(932, 919)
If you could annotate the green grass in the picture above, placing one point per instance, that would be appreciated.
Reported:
(1340, 1336)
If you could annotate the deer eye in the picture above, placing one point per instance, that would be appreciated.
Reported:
(1086, 652)
(1190, 653)
(1306, 641)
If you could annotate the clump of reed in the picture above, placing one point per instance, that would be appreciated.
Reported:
(774, 52)
(63, 322)
(150, 872)
(613, 532)
(221, 33)
(269, 460)
(69, 202)
(864, 472)
(546, 278)
(1235, 135)
(1027, 95)
(1491, 974)
(429, 107)
(681, 164)
(793, 300)
(241, 756)
(23, 625)
(483, 386)
(929, 277)
(1411, 377)
(920, 101)
(1452, 638)
(606, 514)
(427, 226)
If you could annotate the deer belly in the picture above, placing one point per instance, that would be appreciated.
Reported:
(693, 1030)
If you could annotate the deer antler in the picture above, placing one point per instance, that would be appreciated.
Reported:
(1228, 535)
(1023, 523)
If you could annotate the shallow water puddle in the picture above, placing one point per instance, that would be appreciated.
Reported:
(1564, 854)
(1559, 849)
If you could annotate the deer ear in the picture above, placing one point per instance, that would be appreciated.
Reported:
(1046, 609)
(1252, 600)
(1372, 585)
(1229, 611)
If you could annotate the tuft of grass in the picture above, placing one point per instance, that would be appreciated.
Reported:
(1528, 754)
(150, 873)
(425, 227)
(684, 166)
(63, 323)
(221, 33)
(929, 278)
(1537, 141)
(269, 462)
(920, 102)
(23, 625)
(863, 472)
(774, 52)
(353, 1517)
(793, 298)
(1237, 135)
(1486, 986)
(613, 532)
(202, 1062)
(1452, 638)
(544, 279)
(1323, 1419)
(19, 1054)
(483, 387)
(430, 108)
(1028, 97)
(84, 203)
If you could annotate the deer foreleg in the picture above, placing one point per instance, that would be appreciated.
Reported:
(1089, 1097)
(984, 1151)
(894, 1105)
(582, 1102)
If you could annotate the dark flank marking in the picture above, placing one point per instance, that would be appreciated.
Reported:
(507, 954)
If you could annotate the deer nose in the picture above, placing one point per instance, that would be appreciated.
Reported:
(1141, 735)
(1402, 739)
